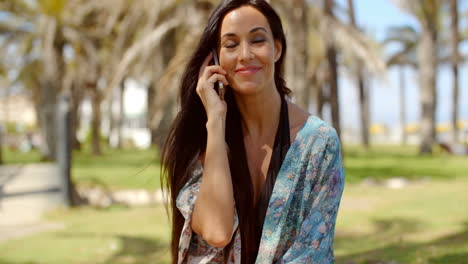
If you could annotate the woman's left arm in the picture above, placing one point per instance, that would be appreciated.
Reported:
(314, 240)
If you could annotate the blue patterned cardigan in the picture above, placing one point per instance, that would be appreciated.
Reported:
(300, 220)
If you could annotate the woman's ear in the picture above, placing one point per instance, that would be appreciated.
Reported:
(278, 49)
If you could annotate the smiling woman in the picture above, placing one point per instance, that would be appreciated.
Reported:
(254, 178)
(248, 51)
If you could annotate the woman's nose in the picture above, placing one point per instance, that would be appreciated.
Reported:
(246, 52)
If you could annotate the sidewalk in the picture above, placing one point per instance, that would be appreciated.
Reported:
(26, 192)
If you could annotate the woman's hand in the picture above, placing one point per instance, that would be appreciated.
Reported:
(208, 76)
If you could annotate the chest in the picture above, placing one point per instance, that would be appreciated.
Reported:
(258, 160)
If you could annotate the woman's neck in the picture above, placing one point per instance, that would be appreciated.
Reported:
(260, 114)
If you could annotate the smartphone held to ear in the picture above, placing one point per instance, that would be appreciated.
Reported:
(220, 84)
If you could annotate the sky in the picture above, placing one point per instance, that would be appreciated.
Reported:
(376, 16)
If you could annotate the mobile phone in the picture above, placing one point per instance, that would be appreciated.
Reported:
(220, 84)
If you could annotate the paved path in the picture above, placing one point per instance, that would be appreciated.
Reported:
(26, 192)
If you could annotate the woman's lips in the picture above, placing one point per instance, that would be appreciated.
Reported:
(247, 71)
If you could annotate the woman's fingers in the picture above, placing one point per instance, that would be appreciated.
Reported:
(205, 64)
(218, 77)
(212, 69)
(211, 81)
(208, 76)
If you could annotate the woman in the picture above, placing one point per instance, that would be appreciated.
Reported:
(254, 178)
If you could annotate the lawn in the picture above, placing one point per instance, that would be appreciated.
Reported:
(115, 169)
(131, 168)
(383, 162)
(116, 235)
(128, 168)
(425, 222)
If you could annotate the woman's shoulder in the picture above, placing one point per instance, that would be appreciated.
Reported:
(317, 132)
(309, 126)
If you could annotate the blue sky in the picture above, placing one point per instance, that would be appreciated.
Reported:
(376, 16)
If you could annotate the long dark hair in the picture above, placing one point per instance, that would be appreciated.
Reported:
(187, 136)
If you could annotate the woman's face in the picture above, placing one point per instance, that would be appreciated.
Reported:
(248, 51)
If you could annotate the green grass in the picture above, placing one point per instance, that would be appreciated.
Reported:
(115, 169)
(117, 235)
(425, 222)
(383, 162)
(131, 168)
(18, 157)
(118, 169)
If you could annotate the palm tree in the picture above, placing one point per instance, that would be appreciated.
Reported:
(331, 55)
(363, 88)
(178, 48)
(2, 76)
(427, 13)
(455, 40)
(295, 15)
(407, 37)
(322, 29)
(41, 23)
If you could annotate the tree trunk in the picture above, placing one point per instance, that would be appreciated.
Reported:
(121, 118)
(47, 117)
(363, 92)
(364, 102)
(1, 145)
(96, 100)
(333, 71)
(111, 117)
(455, 40)
(427, 74)
(168, 51)
(296, 62)
(404, 137)
(77, 97)
(51, 82)
(300, 45)
(150, 100)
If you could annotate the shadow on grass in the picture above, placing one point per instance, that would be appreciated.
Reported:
(129, 249)
(9, 262)
(388, 245)
(450, 258)
(139, 250)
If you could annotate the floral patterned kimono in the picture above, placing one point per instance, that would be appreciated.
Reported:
(300, 219)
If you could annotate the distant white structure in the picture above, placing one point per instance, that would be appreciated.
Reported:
(134, 126)
(18, 109)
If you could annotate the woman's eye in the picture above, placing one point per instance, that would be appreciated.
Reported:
(230, 45)
(260, 40)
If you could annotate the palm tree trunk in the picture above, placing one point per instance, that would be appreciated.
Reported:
(111, 117)
(1, 145)
(150, 100)
(364, 102)
(404, 137)
(333, 71)
(53, 61)
(300, 47)
(47, 115)
(121, 117)
(455, 40)
(427, 74)
(363, 93)
(77, 97)
(96, 100)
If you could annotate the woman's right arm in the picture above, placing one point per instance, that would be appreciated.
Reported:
(213, 214)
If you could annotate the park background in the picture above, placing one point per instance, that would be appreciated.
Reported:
(88, 90)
